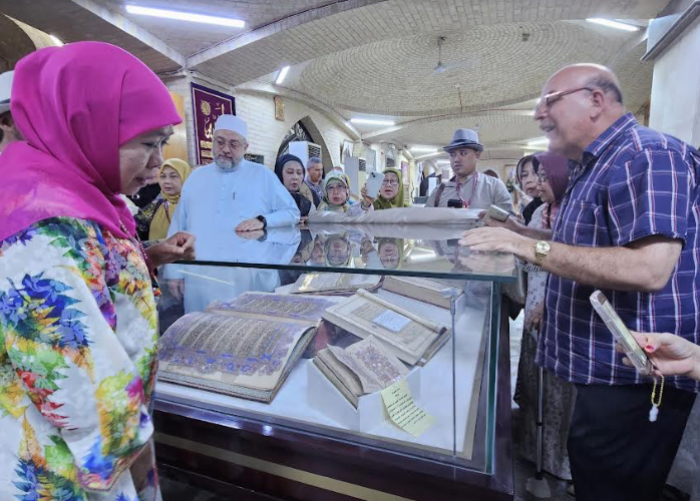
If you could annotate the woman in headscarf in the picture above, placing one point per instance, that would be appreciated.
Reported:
(559, 396)
(336, 186)
(291, 173)
(153, 221)
(77, 308)
(391, 192)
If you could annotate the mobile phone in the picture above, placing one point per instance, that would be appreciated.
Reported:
(455, 204)
(374, 184)
(621, 333)
(497, 213)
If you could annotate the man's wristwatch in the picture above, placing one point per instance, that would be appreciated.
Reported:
(542, 249)
(263, 221)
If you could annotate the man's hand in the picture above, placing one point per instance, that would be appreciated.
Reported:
(493, 240)
(488, 263)
(251, 235)
(250, 225)
(179, 247)
(176, 288)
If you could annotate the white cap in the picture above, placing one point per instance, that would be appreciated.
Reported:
(232, 123)
(5, 90)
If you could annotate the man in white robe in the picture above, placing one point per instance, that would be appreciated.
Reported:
(228, 197)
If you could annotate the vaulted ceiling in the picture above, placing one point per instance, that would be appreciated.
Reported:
(376, 58)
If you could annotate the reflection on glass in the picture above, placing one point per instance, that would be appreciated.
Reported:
(419, 250)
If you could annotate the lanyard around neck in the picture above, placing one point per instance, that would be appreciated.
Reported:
(475, 182)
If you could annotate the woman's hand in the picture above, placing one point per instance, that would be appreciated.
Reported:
(367, 201)
(671, 355)
(179, 247)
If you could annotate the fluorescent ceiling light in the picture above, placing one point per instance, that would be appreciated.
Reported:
(185, 16)
(56, 40)
(540, 141)
(282, 75)
(369, 121)
(612, 24)
(426, 149)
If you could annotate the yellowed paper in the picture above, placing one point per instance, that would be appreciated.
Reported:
(403, 411)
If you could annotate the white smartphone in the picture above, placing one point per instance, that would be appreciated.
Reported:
(621, 333)
(374, 184)
(497, 213)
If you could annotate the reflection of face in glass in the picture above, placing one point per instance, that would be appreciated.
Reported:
(317, 253)
(389, 255)
(338, 251)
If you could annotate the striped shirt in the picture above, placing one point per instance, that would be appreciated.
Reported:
(632, 183)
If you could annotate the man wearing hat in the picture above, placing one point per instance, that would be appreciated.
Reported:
(8, 131)
(468, 188)
(231, 194)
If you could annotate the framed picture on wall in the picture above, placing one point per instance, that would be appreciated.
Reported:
(208, 105)
(345, 150)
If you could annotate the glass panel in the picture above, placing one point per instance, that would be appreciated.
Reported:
(445, 379)
(410, 250)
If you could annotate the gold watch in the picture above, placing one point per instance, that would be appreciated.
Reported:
(542, 249)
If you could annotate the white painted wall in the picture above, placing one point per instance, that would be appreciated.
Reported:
(675, 91)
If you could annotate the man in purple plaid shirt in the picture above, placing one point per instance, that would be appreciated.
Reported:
(628, 225)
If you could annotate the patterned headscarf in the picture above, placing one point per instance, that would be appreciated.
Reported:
(398, 200)
(334, 177)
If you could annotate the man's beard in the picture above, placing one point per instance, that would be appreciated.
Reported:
(226, 164)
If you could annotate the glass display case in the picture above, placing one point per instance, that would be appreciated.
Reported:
(337, 362)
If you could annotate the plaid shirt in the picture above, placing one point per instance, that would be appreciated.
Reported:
(633, 182)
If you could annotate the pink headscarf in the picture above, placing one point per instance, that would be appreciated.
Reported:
(75, 106)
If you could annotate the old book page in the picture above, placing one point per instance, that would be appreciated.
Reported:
(374, 365)
(229, 351)
(308, 309)
(365, 315)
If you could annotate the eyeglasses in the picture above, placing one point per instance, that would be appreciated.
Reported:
(542, 177)
(549, 99)
(336, 187)
(392, 182)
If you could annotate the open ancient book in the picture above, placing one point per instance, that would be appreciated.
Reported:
(245, 348)
(334, 283)
(360, 369)
(409, 337)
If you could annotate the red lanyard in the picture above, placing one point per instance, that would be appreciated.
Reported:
(471, 195)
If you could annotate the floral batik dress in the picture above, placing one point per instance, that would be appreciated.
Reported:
(78, 336)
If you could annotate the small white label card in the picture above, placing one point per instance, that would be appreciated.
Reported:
(391, 320)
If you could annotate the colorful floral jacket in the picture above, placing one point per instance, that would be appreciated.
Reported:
(78, 337)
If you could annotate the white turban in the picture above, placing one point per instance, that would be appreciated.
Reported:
(232, 123)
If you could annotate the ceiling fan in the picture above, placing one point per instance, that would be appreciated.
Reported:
(441, 67)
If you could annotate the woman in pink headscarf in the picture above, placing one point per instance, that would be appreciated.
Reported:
(78, 319)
